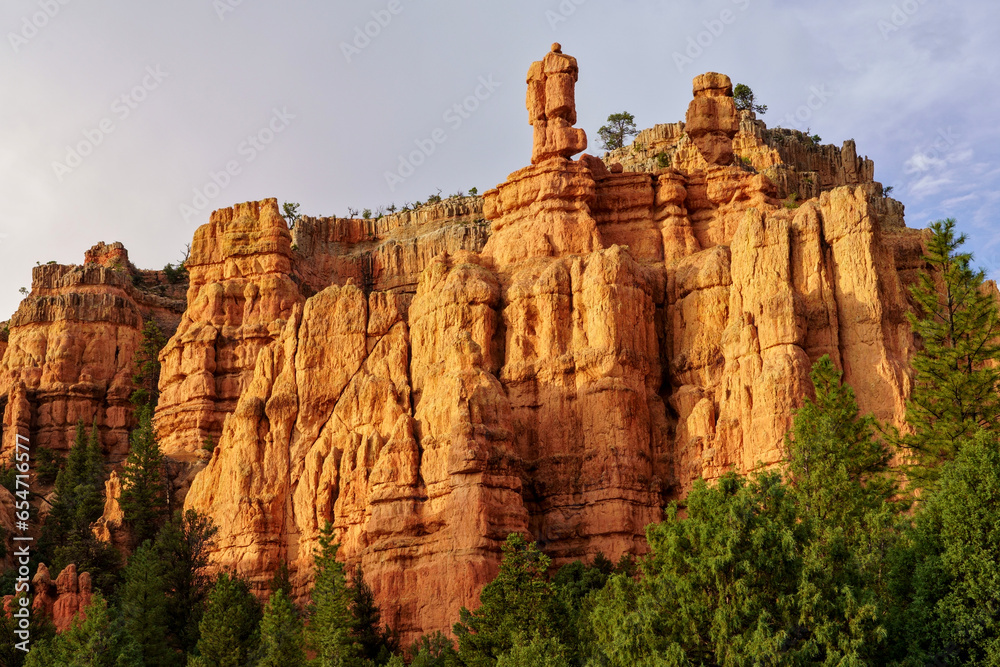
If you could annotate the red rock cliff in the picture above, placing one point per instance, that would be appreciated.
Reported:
(71, 347)
(428, 386)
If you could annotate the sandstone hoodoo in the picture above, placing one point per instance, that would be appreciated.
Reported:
(559, 358)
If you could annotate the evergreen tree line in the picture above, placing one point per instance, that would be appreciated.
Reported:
(836, 559)
(167, 613)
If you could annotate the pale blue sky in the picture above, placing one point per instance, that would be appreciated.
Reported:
(914, 82)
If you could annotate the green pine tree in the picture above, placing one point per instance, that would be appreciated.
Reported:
(147, 366)
(230, 627)
(946, 572)
(281, 634)
(145, 609)
(143, 499)
(515, 603)
(98, 641)
(182, 547)
(838, 467)
(330, 617)
(281, 580)
(66, 535)
(375, 641)
(764, 572)
(720, 586)
(957, 382)
(62, 517)
(539, 652)
(844, 490)
(620, 127)
(575, 588)
(434, 650)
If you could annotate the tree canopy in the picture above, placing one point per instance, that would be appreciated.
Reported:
(955, 393)
(746, 101)
(620, 127)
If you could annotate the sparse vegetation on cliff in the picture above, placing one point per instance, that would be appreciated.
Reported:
(290, 212)
(175, 273)
(620, 127)
(746, 100)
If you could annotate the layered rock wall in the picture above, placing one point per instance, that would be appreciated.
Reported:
(619, 332)
(71, 347)
(560, 358)
(248, 272)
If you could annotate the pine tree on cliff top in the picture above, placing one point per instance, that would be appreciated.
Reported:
(958, 369)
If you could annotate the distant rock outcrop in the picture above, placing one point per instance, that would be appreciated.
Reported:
(71, 347)
(63, 601)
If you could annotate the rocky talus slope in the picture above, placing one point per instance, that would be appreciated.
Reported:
(560, 357)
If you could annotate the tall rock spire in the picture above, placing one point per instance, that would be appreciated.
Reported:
(552, 106)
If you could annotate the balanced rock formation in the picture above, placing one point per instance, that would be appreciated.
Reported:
(552, 107)
(428, 385)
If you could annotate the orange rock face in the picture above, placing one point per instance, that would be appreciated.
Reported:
(427, 384)
(73, 596)
(64, 601)
(240, 296)
(70, 351)
(248, 272)
(560, 357)
(551, 105)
